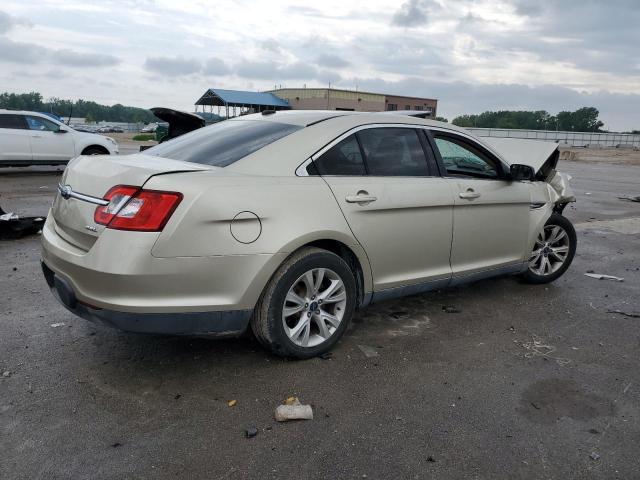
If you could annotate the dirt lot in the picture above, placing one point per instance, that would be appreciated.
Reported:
(523, 382)
(617, 156)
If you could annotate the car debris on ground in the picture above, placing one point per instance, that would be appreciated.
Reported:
(626, 314)
(631, 198)
(368, 351)
(600, 276)
(293, 410)
(13, 226)
(251, 432)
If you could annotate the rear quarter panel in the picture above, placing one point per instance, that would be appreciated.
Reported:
(291, 212)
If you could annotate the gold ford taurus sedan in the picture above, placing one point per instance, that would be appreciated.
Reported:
(287, 222)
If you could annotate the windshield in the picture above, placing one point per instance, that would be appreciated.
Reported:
(224, 143)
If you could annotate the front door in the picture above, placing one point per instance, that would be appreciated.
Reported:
(398, 211)
(48, 142)
(490, 214)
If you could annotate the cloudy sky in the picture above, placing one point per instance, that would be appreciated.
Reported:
(473, 55)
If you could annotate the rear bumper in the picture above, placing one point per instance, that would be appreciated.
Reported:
(218, 323)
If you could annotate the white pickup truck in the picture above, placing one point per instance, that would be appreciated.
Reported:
(32, 138)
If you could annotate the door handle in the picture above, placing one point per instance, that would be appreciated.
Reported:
(470, 194)
(361, 198)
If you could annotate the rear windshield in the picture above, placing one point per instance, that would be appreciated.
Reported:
(223, 143)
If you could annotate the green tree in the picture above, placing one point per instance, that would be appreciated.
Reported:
(441, 119)
(81, 108)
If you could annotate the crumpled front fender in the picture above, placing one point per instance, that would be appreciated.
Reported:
(560, 192)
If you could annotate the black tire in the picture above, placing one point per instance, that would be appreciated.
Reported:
(267, 322)
(95, 151)
(555, 220)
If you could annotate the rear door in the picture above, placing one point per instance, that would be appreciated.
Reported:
(490, 214)
(399, 211)
(48, 142)
(14, 139)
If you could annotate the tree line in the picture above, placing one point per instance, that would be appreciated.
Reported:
(91, 111)
(584, 119)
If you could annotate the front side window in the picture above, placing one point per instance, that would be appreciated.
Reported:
(461, 159)
(13, 121)
(223, 143)
(41, 124)
(393, 152)
(344, 158)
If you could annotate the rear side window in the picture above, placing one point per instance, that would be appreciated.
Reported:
(12, 121)
(343, 158)
(393, 152)
(224, 143)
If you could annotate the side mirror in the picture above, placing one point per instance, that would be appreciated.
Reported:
(62, 129)
(522, 172)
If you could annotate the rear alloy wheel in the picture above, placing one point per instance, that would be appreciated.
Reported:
(314, 307)
(553, 251)
(307, 305)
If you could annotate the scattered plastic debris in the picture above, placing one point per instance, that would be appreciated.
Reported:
(601, 276)
(630, 198)
(626, 314)
(594, 456)
(116, 445)
(6, 374)
(232, 403)
(251, 432)
(368, 351)
(537, 348)
(13, 226)
(325, 356)
(56, 325)
(450, 309)
(293, 410)
(587, 193)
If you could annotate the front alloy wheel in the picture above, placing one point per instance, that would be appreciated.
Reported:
(552, 252)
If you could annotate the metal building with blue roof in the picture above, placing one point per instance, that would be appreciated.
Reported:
(246, 102)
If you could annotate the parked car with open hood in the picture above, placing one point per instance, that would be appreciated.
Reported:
(32, 138)
(288, 222)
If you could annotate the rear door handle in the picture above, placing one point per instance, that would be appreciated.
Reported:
(361, 198)
(470, 194)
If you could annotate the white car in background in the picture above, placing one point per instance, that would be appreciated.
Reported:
(31, 138)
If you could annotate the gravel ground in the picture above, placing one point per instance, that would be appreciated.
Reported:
(522, 382)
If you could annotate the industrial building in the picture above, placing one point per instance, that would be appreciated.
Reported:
(336, 99)
(231, 103)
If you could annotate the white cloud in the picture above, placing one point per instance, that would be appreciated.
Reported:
(538, 54)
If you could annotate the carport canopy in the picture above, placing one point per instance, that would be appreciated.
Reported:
(256, 101)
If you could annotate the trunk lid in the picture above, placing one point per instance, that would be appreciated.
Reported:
(88, 178)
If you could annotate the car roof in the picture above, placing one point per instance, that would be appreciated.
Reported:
(27, 112)
(305, 118)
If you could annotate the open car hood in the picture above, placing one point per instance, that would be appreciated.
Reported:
(541, 156)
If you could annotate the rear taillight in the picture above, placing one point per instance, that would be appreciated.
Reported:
(131, 208)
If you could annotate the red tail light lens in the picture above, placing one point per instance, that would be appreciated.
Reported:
(133, 209)
(118, 196)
